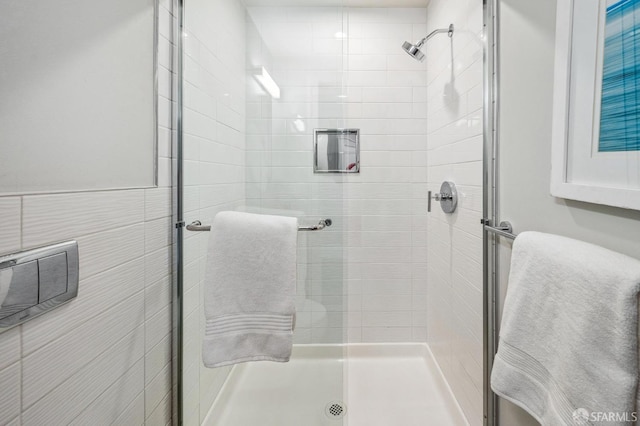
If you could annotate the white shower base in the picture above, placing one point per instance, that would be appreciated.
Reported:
(380, 385)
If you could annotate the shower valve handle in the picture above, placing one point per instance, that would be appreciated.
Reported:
(438, 196)
(448, 197)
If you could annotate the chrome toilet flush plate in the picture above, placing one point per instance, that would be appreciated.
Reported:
(448, 197)
(35, 281)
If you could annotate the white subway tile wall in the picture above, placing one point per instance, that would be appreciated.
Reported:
(363, 278)
(105, 357)
(385, 213)
(454, 272)
(214, 169)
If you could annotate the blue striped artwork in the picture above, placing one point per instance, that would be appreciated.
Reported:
(620, 108)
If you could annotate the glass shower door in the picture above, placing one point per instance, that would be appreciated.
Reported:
(250, 104)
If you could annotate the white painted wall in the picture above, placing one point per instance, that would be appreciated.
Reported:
(105, 356)
(527, 32)
(214, 167)
(57, 59)
(454, 141)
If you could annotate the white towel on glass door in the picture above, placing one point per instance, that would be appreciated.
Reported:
(249, 289)
(568, 346)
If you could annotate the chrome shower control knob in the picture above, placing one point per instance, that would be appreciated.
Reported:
(439, 196)
(448, 197)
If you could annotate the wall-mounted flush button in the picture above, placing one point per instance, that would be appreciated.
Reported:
(36, 281)
(53, 276)
(19, 286)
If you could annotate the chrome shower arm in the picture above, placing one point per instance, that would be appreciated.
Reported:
(414, 51)
(449, 32)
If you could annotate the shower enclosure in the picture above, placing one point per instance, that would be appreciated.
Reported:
(387, 287)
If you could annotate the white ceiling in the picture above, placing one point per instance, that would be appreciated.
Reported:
(349, 3)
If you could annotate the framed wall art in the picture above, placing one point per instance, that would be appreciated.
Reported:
(596, 111)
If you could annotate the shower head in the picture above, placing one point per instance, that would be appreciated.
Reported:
(414, 49)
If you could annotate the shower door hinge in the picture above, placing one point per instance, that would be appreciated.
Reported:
(180, 224)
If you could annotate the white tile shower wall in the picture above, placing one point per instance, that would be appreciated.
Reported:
(345, 68)
(214, 151)
(105, 357)
(454, 305)
(386, 203)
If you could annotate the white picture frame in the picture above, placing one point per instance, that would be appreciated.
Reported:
(578, 170)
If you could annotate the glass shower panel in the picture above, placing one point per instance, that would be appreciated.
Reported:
(213, 168)
(256, 82)
(280, 174)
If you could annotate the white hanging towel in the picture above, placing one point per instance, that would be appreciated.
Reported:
(568, 349)
(249, 289)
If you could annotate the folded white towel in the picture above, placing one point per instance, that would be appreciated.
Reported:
(568, 342)
(249, 289)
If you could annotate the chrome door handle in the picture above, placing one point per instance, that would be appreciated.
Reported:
(197, 226)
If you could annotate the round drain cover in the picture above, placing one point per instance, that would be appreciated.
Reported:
(335, 410)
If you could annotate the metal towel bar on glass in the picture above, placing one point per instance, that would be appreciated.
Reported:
(198, 226)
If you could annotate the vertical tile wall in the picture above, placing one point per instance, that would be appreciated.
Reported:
(214, 166)
(455, 77)
(386, 204)
(345, 68)
(104, 357)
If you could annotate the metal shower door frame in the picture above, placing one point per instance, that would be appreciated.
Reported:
(178, 220)
(490, 205)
